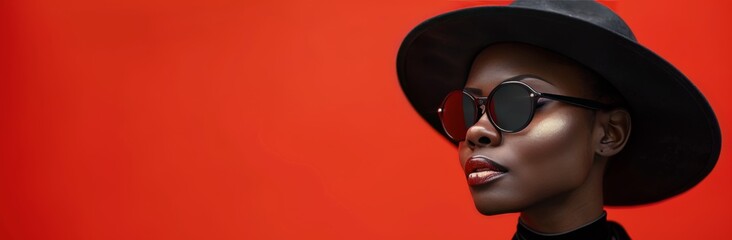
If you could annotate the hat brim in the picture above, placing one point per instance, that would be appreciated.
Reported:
(675, 139)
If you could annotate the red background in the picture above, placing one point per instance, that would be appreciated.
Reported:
(139, 119)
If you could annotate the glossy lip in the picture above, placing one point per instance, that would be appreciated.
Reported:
(480, 170)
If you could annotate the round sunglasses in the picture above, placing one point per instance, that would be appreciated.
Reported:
(510, 107)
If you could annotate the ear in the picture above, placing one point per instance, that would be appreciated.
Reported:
(612, 131)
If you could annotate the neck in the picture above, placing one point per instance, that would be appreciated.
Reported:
(597, 229)
(570, 210)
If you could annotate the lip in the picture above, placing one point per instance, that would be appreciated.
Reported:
(480, 170)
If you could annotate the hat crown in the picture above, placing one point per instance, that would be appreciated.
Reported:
(589, 11)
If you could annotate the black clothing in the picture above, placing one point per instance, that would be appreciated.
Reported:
(599, 229)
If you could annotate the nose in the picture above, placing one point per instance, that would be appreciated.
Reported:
(483, 134)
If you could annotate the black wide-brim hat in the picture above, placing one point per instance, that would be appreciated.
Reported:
(675, 139)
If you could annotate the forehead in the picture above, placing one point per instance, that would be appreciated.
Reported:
(500, 62)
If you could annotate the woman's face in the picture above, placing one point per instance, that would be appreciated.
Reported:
(548, 160)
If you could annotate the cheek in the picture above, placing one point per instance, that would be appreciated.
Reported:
(551, 129)
(554, 153)
(560, 132)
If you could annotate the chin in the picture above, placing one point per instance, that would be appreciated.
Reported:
(488, 209)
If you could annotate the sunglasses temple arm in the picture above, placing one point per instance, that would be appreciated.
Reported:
(576, 101)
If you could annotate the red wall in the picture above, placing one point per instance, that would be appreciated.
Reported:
(154, 119)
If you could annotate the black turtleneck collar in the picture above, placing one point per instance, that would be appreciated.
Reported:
(598, 229)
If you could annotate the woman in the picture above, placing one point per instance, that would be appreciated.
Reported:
(541, 97)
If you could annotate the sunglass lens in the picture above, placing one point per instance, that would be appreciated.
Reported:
(511, 107)
(458, 114)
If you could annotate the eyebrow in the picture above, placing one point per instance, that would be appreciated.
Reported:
(474, 91)
(525, 76)
(478, 91)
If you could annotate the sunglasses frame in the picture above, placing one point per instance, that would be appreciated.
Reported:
(480, 104)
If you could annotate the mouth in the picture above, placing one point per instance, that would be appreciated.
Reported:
(481, 170)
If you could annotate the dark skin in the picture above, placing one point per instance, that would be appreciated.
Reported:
(556, 164)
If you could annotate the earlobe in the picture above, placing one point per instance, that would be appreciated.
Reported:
(615, 132)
